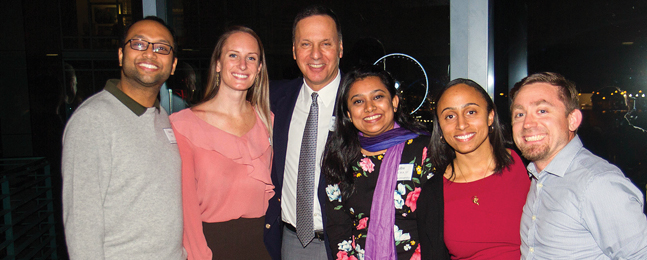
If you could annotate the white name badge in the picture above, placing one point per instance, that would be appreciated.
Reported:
(405, 171)
(170, 135)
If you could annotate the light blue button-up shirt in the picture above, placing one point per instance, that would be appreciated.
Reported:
(582, 207)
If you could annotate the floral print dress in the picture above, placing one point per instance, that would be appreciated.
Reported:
(348, 220)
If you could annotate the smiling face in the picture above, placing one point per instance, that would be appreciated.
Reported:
(239, 62)
(370, 106)
(317, 50)
(146, 68)
(464, 119)
(541, 128)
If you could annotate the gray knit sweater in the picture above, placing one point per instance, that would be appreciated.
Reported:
(121, 182)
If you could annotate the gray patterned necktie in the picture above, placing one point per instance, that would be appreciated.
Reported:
(305, 180)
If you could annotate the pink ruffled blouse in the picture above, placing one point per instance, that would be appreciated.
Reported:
(224, 176)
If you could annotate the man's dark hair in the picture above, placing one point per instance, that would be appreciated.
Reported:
(312, 11)
(156, 19)
(568, 93)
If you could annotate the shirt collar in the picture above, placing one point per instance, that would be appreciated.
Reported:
(138, 109)
(559, 165)
(328, 93)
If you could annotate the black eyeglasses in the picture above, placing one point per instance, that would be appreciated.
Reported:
(141, 45)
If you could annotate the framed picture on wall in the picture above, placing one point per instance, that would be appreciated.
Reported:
(104, 18)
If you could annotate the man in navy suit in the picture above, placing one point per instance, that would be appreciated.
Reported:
(317, 48)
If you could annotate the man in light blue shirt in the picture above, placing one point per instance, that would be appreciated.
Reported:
(579, 206)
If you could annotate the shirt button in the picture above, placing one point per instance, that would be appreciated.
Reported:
(534, 217)
(532, 250)
(540, 185)
(267, 226)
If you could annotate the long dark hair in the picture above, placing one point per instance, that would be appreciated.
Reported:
(441, 154)
(342, 147)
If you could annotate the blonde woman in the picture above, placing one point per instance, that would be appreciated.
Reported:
(226, 152)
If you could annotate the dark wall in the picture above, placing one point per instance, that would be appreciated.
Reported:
(15, 125)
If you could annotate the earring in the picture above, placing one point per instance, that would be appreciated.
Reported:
(217, 78)
(491, 128)
(442, 140)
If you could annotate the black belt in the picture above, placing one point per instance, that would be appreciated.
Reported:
(318, 234)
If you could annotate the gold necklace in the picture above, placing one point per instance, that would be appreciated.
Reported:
(475, 199)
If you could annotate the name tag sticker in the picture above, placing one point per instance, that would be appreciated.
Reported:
(405, 171)
(332, 124)
(170, 135)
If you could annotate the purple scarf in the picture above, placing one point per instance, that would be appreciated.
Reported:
(380, 238)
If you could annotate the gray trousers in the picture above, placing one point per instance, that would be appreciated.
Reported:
(292, 249)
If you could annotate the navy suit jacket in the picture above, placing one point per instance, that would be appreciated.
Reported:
(283, 97)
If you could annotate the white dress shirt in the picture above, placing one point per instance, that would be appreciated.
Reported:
(326, 102)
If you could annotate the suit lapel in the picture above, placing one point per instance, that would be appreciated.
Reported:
(284, 107)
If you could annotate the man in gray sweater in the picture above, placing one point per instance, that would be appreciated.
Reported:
(121, 166)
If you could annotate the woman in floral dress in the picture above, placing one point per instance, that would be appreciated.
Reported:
(375, 164)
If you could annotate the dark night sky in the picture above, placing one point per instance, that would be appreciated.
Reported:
(584, 41)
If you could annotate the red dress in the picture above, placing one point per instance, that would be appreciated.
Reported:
(482, 218)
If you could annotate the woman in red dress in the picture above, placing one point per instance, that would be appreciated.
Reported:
(471, 208)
